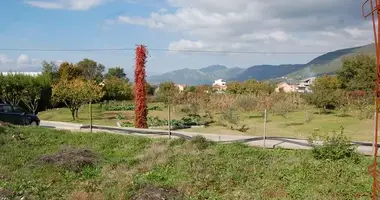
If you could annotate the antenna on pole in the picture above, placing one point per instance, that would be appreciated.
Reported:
(375, 14)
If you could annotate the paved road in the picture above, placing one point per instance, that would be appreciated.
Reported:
(270, 142)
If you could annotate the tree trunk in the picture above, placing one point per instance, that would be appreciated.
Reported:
(76, 113)
(73, 114)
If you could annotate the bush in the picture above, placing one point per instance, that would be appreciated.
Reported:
(334, 147)
(201, 142)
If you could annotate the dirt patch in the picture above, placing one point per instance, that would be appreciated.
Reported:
(6, 193)
(71, 159)
(278, 193)
(157, 193)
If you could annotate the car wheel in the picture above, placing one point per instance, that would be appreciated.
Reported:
(33, 123)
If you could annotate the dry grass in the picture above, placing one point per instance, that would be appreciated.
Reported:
(87, 196)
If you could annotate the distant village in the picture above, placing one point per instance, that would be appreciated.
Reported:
(302, 86)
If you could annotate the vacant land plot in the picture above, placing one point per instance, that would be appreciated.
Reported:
(40, 163)
(299, 124)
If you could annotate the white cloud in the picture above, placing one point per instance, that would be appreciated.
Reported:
(23, 60)
(4, 59)
(276, 25)
(66, 4)
(140, 21)
(186, 44)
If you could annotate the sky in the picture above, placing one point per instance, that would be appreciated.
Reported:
(304, 28)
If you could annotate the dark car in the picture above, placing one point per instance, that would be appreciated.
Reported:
(18, 116)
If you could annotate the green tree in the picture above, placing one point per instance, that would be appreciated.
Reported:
(358, 73)
(150, 89)
(116, 72)
(90, 69)
(117, 89)
(167, 92)
(250, 87)
(235, 87)
(12, 86)
(75, 93)
(67, 71)
(326, 92)
(50, 69)
(92, 92)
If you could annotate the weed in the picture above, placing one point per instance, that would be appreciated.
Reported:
(177, 142)
(6, 194)
(334, 147)
(120, 117)
(201, 142)
(308, 117)
(230, 116)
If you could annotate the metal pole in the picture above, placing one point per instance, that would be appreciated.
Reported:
(169, 123)
(265, 126)
(90, 107)
(376, 30)
(374, 136)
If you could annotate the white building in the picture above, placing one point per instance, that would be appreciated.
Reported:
(23, 73)
(304, 85)
(219, 85)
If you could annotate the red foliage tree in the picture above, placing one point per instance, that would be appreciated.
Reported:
(141, 110)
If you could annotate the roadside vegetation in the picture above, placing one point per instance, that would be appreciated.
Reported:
(39, 163)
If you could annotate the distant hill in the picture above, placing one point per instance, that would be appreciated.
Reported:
(205, 75)
(328, 63)
(331, 62)
(264, 72)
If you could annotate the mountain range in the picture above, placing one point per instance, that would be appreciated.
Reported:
(328, 63)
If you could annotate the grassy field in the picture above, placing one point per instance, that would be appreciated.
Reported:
(40, 163)
(294, 125)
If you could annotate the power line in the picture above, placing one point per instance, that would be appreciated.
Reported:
(162, 50)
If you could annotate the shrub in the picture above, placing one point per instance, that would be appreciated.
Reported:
(230, 116)
(334, 147)
(201, 142)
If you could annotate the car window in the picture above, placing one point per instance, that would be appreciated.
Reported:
(18, 109)
(7, 108)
